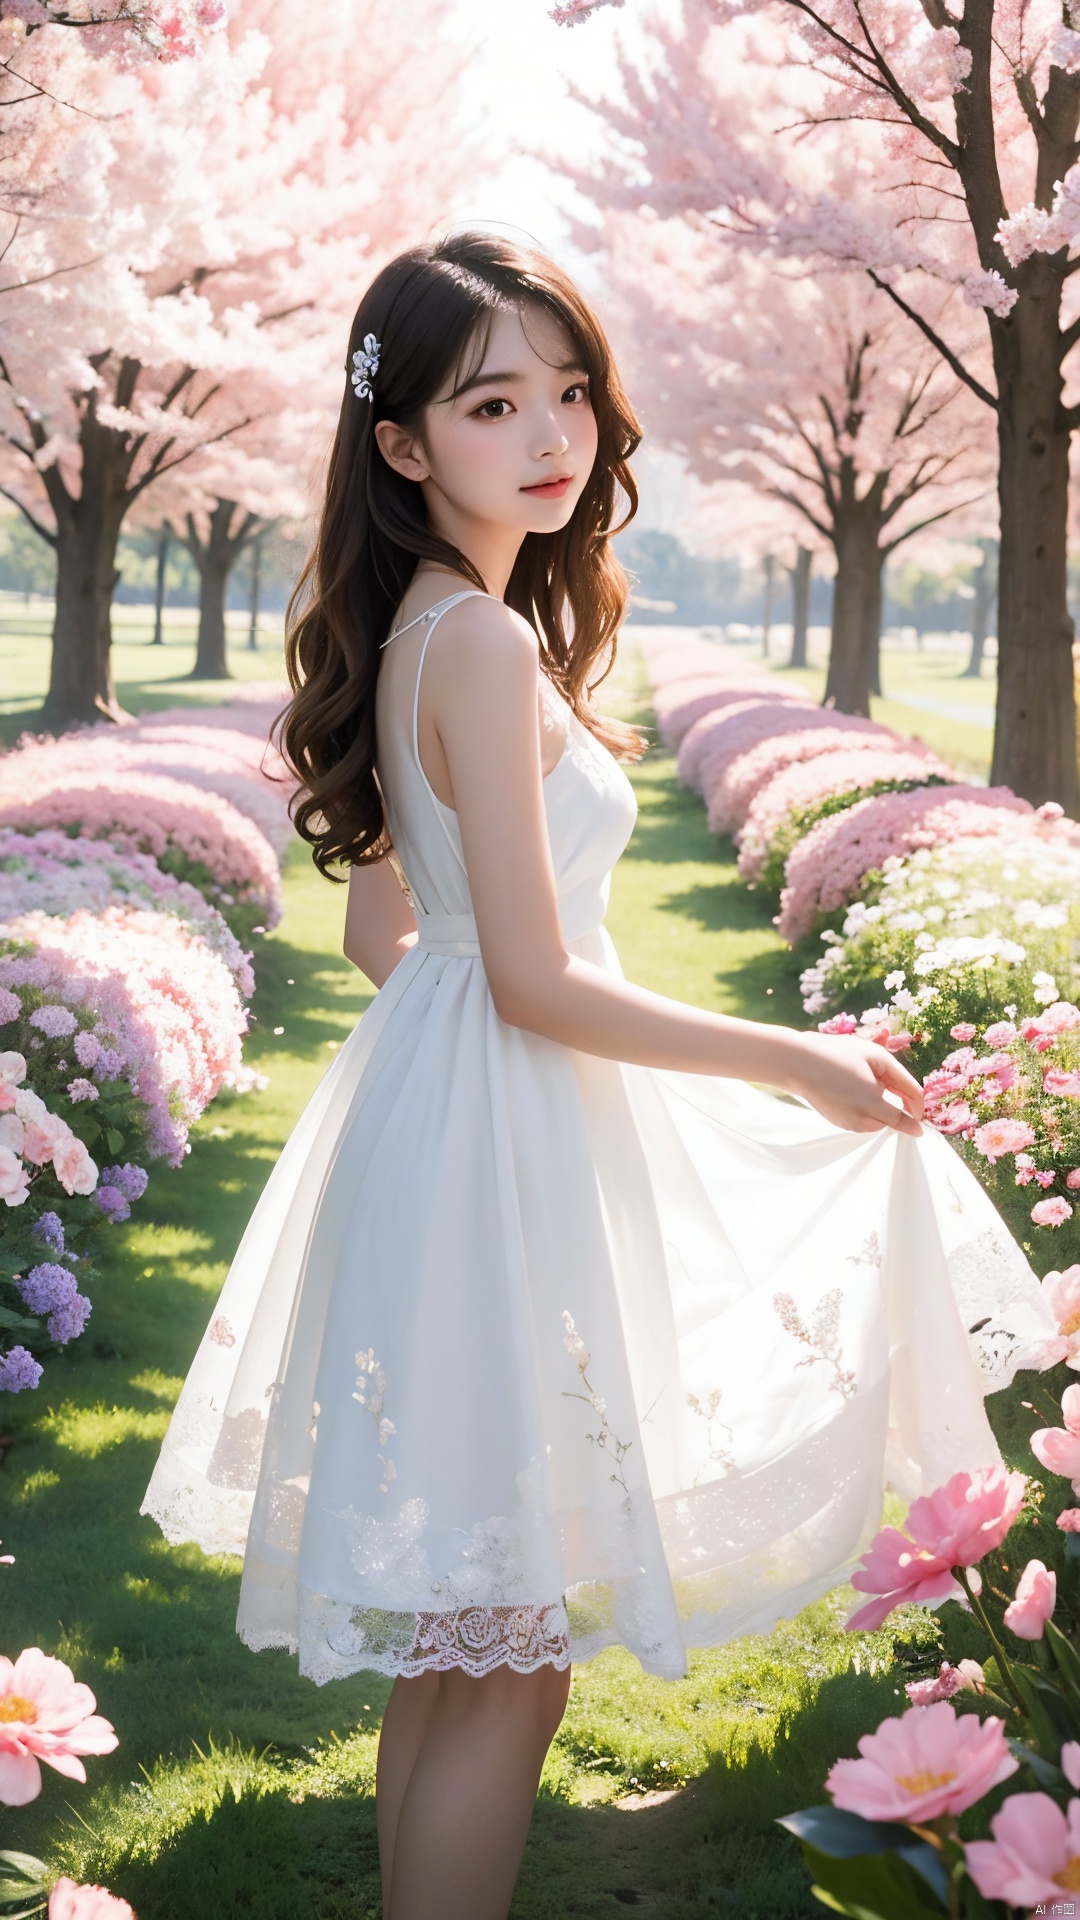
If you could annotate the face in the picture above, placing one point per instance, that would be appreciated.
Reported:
(511, 450)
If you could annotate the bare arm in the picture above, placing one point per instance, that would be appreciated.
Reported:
(380, 926)
(481, 681)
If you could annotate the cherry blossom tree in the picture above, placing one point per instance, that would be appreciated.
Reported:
(808, 390)
(970, 110)
(211, 224)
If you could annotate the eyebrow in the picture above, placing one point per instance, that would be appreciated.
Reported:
(511, 379)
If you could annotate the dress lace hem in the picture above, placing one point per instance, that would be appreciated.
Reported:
(471, 1640)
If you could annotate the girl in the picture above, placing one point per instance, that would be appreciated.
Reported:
(550, 1330)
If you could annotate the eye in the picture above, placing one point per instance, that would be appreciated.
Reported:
(578, 394)
(485, 412)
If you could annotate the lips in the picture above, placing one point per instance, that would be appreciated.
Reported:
(550, 489)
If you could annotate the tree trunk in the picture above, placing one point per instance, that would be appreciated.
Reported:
(981, 607)
(800, 604)
(87, 532)
(256, 556)
(769, 569)
(215, 558)
(856, 617)
(159, 589)
(1035, 735)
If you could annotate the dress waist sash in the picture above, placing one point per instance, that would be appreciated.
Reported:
(581, 911)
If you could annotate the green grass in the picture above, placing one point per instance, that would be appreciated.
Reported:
(239, 1789)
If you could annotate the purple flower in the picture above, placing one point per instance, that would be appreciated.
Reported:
(68, 1321)
(19, 1369)
(47, 1287)
(130, 1180)
(87, 1048)
(109, 1063)
(48, 1230)
(55, 1022)
(10, 1006)
(81, 1090)
(112, 1203)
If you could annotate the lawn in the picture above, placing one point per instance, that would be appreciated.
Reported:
(239, 1789)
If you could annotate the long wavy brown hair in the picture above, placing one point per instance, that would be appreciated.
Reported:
(431, 310)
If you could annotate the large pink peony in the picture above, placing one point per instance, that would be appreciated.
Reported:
(1058, 1448)
(1034, 1855)
(69, 1902)
(953, 1527)
(14, 1179)
(73, 1167)
(45, 1714)
(929, 1762)
(998, 1137)
(1062, 1294)
(1036, 1598)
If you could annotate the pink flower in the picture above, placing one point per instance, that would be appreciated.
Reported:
(999, 1137)
(929, 1762)
(1036, 1598)
(45, 1714)
(1058, 1448)
(747, 773)
(898, 1042)
(1072, 1179)
(1062, 1017)
(1061, 1291)
(777, 805)
(74, 1169)
(1070, 1762)
(1069, 1522)
(14, 1179)
(966, 1678)
(1045, 1177)
(955, 1118)
(999, 1035)
(965, 1031)
(1034, 1855)
(840, 1023)
(1057, 1080)
(70, 1902)
(952, 1527)
(1051, 1213)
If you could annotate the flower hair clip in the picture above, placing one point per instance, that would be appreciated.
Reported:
(365, 365)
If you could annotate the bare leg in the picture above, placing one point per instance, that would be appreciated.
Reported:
(464, 1817)
(404, 1725)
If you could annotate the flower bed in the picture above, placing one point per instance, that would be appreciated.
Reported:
(122, 984)
(811, 790)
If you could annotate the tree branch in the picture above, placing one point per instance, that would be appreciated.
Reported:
(42, 532)
(981, 393)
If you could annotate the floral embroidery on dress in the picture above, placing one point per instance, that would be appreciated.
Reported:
(221, 1333)
(822, 1338)
(370, 1389)
(719, 1454)
(606, 1438)
(869, 1254)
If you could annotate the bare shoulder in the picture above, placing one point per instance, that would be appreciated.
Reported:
(483, 642)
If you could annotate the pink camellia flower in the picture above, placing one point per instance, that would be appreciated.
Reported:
(1058, 1080)
(999, 1035)
(1034, 1855)
(70, 1902)
(1058, 1448)
(1069, 1522)
(966, 1678)
(45, 1714)
(929, 1762)
(952, 1527)
(14, 1179)
(73, 1167)
(999, 1137)
(965, 1031)
(1036, 1598)
(1051, 1213)
(840, 1023)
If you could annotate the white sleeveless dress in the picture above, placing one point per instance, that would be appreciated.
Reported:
(526, 1352)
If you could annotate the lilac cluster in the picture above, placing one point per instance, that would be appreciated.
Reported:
(19, 1370)
(117, 1190)
(51, 1289)
(56, 1023)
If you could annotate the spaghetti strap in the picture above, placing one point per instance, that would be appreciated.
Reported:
(435, 613)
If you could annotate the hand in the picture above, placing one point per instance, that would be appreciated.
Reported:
(856, 1084)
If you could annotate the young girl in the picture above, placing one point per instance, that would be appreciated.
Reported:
(550, 1330)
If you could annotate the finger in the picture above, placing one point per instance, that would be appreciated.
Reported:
(900, 1119)
(899, 1081)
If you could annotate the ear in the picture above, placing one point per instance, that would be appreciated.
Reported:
(401, 449)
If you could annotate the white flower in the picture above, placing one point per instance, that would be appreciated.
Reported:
(1044, 988)
(573, 1341)
(894, 979)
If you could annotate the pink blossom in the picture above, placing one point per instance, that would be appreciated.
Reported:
(998, 1137)
(840, 1023)
(70, 1902)
(73, 1166)
(967, 1677)
(953, 1527)
(14, 1179)
(1069, 1522)
(1072, 1178)
(1034, 1855)
(1001, 1034)
(747, 773)
(45, 1714)
(929, 1762)
(1063, 1082)
(965, 1031)
(1069, 1762)
(1058, 1448)
(814, 781)
(1036, 1598)
(957, 1117)
(1061, 1017)
(719, 735)
(829, 864)
(1051, 1213)
(898, 1042)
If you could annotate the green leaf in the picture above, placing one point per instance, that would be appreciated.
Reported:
(18, 1322)
(114, 1140)
(1072, 1546)
(1064, 1653)
(1044, 1770)
(847, 1836)
(22, 1885)
(877, 1886)
(1051, 1721)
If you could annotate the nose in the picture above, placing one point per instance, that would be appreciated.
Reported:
(550, 437)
